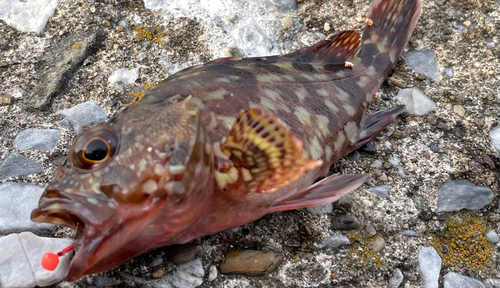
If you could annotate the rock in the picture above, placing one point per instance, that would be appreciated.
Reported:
(455, 280)
(187, 275)
(396, 279)
(17, 165)
(354, 156)
(85, 114)
(126, 76)
(21, 257)
(382, 191)
(424, 62)
(377, 164)
(495, 137)
(492, 236)
(40, 139)
(377, 245)
(459, 110)
(429, 264)
(370, 229)
(63, 59)
(103, 281)
(320, 209)
(27, 16)
(463, 194)
(415, 101)
(368, 148)
(17, 200)
(250, 262)
(6, 99)
(212, 273)
(345, 222)
(491, 283)
(448, 72)
(434, 148)
(182, 253)
(334, 241)
(394, 160)
(410, 233)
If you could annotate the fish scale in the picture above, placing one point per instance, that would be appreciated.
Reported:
(219, 145)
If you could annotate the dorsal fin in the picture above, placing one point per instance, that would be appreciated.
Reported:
(335, 49)
(264, 155)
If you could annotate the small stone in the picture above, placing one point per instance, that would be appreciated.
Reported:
(491, 283)
(370, 229)
(181, 254)
(434, 148)
(424, 62)
(17, 165)
(383, 177)
(377, 245)
(250, 262)
(396, 279)
(103, 281)
(463, 194)
(40, 139)
(6, 99)
(495, 137)
(406, 226)
(387, 165)
(382, 191)
(415, 101)
(429, 264)
(455, 280)
(397, 81)
(354, 156)
(334, 241)
(320, 209)
(212, 273)
(233, 51)
(448, 72)
(492, 236)
(287, 22)
(467, 23)
(421, 77)
(410, 233)
(126, 76)
(394, 160)
(368, 148)
(327, 27)
(377, 164)
(344, 203)
(345, 222)
(459, 110)
(85, 114)
(106, 23)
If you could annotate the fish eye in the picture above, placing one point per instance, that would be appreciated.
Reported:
(94, 147)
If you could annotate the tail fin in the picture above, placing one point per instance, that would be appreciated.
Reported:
(392, 23)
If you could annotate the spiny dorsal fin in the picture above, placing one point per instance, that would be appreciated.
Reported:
(264, 155)
(335, 49)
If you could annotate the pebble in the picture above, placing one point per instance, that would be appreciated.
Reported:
(396, 279)
(181, 254)
(368, 148)
(495, 137)
(320, 209)
(6, 99)
(448, 72)
(410, 233)
(459, 110)
(287, 22)
(394, 160)
(126, 76)
(377, 245)
(249, 262)
(354, 156)
(463, 194)
(455, 280)
(370, 229)
(492, 236)
(40, 139)
(187, 275)
(17, 165)
(21, 257)
(429, 264)
(415, 101)
(491, 283)
(377, 164)
(434, 148)
(17, 200)
(27, 16)
(424, 62)
(83, 115)
(212, 273)
(327, 27)
(382, 191)
(345, 222)
(334, 241)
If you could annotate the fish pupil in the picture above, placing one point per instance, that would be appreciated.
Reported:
(96, 150)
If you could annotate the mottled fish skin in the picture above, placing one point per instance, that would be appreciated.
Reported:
(174, 168)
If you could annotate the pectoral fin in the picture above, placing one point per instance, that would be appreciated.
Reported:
(325, 191)
(263, 155)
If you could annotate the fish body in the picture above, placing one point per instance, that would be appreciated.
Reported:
(219, 145)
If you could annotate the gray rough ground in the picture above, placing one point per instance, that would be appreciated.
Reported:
(464, 151)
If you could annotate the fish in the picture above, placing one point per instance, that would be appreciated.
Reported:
(219, 145)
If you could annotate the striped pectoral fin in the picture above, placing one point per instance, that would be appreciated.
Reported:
(325, 191)
(263, 155)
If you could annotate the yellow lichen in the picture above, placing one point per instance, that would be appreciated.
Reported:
(152, 34)
(76, 46)
(464, 242)
(139, 94)
(360, 248)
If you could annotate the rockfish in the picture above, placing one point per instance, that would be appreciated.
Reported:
(219, 145)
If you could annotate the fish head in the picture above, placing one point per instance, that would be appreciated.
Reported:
(129, 187)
